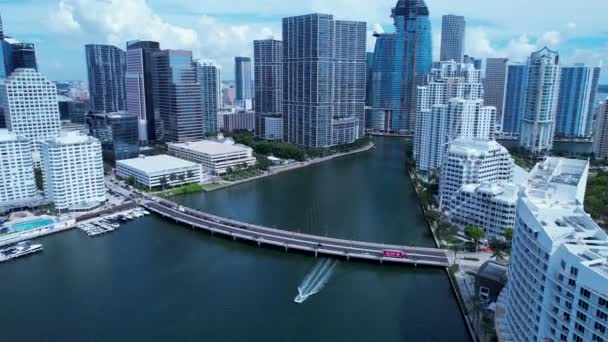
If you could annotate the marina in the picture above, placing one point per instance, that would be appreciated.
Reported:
(104, 225)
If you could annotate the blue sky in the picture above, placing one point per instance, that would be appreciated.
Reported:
(218, 31)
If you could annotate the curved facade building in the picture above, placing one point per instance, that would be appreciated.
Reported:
(401, 61)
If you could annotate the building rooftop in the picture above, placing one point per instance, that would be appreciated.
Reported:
(504, 192)
(212, 147)
(70, 138)
(474, 147)
(155, 164)
(494, 271)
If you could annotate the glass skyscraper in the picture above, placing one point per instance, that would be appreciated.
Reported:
(211, 96)
(242, 74)
(578, 86)
(177, 96)
(452, 38)
(268, 70)
(324, 66)
(139, 87)
(24, 56)
(401, 62)
(494, 86)
(515, 95)
(106, 68)
(117, 133)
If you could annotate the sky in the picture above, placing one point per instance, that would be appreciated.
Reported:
(218, 31)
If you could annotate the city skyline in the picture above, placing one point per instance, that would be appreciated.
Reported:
(65, 26)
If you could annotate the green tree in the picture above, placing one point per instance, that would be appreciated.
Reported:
(455, 248)
(508, 234)
(499, 248)
(39, 179)
(131, 181)
(474, 233)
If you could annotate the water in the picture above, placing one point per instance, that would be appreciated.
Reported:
(153, 280)
(316, 279)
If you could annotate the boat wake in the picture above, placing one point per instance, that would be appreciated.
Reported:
(316, 279)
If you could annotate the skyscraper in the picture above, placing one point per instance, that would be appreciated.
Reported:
(33, 114)
(494, 85)
(177, 96)
(453, 28)
(542, 91)
(24, 56)
(600, 133)
(242, 75)
(323, 80)
(139, 87)
(268, 69)
(117, 133)
(401, 62)
(515, 98)
(106, 68)
(575, 102)
(450, 106)
(211, 96)
(557, 288)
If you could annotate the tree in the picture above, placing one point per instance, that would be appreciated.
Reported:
(432, 216)
(508, 234)
(455, 248)
(39, 179)
(499, 248)
(131, 181)
(163, 182)
(474, 233)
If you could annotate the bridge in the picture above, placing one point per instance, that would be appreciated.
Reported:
(317, 245)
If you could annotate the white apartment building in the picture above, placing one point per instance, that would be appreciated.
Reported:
(17, 180)
(215, 157)
(558, 279)
(273, 128)
(450, 106)
(156, 171)
(72, 168)
(30, 106)
(470, 161)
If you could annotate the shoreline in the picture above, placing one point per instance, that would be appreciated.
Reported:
(294, 166)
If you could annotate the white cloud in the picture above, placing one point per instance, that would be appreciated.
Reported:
(62, 19)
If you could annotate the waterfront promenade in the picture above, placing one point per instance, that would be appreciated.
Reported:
(317, 245)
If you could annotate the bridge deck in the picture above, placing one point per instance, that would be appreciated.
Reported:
(296, 241)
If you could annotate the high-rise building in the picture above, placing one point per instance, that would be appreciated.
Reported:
(557, 289)
(71, 110)
(17, 181)
(177, 96)
(515, 98)
(242, 74)
(575, 103)
(323, 81)
(24, 56)
(106, 68)
(368, 84)
(33, 114)
(402, 61)
(453, 28)
(450, 106)
(139, 87)
(72, 168)
(494, 85)
(231, 121)
(268, 69)
(542, 92)
(117, 133)
(211, 96)
(600, 133)
(477, 62)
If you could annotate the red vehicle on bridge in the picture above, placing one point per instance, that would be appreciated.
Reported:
(396, 254)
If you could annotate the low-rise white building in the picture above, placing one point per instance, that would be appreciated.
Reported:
(557, 288)
(73, 175)
(216, 157)
(158, 171)
(17, 180)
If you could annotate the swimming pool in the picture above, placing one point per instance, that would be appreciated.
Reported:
(23, 226)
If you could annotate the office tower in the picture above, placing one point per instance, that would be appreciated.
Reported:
(575, 101)
(228, 96)
(323, 81)
(600, 133)
(231, 121)
(453, 29)
(450, 106)
(268, 69)
(177, 96)
(17, 181)
(494, 85)
(117, 133)
(211, 96)
(402, 60)
(242, 74)
(71, 110)
(515, 98)
(24, 56)
(368, 80)
(33, 114)
(72, 168)
(140, 88)
(557, 289)
(106, 68)
(542, 91)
